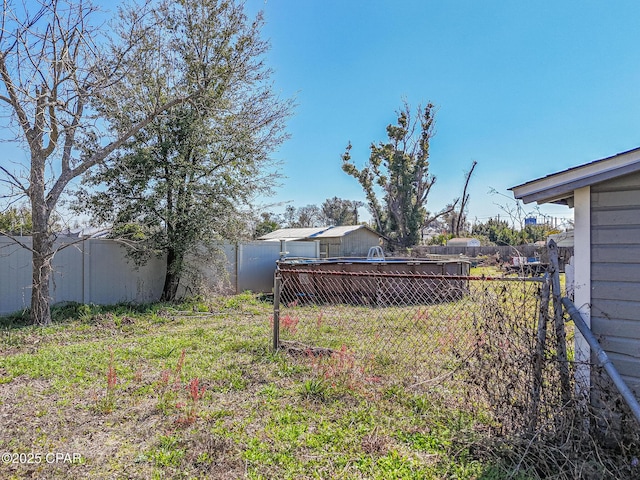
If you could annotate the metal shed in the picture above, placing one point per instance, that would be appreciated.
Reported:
(335, 241)
(605, 195)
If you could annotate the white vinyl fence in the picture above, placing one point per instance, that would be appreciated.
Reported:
(255, 262)
(251, 265)
(98, 271)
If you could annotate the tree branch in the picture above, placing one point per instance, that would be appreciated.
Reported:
(99, 156)
(15, 182)
(18, 242)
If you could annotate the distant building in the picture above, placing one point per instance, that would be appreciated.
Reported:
(343, 241)
(85, 232)
(563, 240)
(463, 242)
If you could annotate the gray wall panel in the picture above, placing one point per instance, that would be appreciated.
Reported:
(615, 271)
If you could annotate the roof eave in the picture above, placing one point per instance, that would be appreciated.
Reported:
(559, 187)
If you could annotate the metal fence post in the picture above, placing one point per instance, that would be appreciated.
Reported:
(561, 337)
(541, 342)
(277, 286)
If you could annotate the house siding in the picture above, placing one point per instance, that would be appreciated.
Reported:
(615, 272)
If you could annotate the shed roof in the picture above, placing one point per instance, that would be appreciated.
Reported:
(313, 233)
(343, 230)
(85, 232)
(293, 233)
(559, 187)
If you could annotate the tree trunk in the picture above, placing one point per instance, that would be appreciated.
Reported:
(40, 299)
(172, 277)
(42, 256)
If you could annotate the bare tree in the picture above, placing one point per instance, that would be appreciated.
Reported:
(303, 217)
(460, 220)
(58, 75)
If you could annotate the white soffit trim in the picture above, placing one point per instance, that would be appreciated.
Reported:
(559, 187)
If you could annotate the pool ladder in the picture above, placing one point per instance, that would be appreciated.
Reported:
(375, 253)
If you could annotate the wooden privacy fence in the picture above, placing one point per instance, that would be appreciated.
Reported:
(504, 252)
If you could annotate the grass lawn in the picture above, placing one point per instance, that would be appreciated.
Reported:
(194, 391)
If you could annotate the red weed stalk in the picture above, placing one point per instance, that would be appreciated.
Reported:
(180, 363)
(289, 323)
(165, 375)
(338, 369)
(107, 404)
(195, 393)
(169, 385)
(178, 370)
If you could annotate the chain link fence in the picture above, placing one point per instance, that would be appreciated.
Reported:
(498, 348)
(413, 329)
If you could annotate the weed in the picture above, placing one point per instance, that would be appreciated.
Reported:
(168, 452)
(195, 394)
(421, 405)
(393, 392)
(201, 307)
(246, 302)
(180, 364)
(271, 391)
(169, 385)
(338, 369)
(383, 360)
(107, 404)
(421, 314)
(314, 389)
(289, 324)
(374, 444)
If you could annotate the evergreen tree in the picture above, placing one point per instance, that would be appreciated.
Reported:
(337, 211)
(188, 177)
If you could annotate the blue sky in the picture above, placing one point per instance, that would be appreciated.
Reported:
(524, 88)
